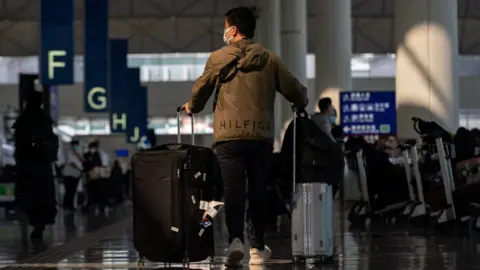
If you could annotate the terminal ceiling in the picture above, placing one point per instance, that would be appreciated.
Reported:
(166, 26)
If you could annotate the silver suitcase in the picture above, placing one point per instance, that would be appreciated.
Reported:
(312, 217)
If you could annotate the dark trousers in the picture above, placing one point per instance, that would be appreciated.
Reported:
(97, 193)
(71, 184)
(238, 161)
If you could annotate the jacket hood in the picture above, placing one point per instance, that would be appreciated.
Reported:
(252, 56)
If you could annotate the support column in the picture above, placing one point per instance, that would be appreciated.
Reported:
(427, 53)
(294, 44)
(269, 35)
(333, 50)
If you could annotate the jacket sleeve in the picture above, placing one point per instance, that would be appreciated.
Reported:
(288, 85)
(203, 87)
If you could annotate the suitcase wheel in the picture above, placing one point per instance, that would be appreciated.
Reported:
(297, 260)
(141, 261)
(186, 261)
(326, 259)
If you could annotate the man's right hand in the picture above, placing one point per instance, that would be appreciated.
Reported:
(185, 107)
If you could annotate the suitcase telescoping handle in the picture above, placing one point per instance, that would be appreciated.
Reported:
(296, 113)
(179, 137)
(294, 150)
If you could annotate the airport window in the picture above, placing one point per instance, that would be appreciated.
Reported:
(189, 66)
(162, 126)
(469, 118)
(203, 124)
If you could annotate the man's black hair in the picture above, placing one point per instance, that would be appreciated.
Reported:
(243, 19)
(324, 104)
(94, 144)
(75, 142)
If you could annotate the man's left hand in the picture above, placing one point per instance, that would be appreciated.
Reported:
(186, 108)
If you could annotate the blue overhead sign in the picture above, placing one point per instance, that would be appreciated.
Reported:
(368, 113)
(96, 56)
(56, 42)
(137, 116)
(119, 90)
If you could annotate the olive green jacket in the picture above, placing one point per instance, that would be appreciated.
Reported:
(246, 102)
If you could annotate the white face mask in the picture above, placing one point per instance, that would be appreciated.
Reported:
(225, 39)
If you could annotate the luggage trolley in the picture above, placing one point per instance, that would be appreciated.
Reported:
(449, 214)
(444, 153)
(363, 211)
(360, 211)
(417, 207)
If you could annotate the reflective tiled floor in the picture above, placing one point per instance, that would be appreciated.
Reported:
(105, 242)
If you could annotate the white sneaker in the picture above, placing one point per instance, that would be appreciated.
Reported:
(259, 257)
(235, 254)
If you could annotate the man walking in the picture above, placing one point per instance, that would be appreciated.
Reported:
(245, 77)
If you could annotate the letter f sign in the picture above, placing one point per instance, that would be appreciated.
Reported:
(52, 64)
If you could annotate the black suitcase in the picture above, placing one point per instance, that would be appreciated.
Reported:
(171, 184)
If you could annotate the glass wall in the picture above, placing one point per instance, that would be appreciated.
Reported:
(161, 125)
(470, 118)
(203, 124)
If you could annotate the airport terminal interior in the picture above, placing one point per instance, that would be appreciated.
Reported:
(395, 70)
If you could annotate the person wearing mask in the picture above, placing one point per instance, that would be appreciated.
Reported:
(95, 165)
(326, 118)
(391, 147)
(72, 172)
(245, 78)
(36, 148)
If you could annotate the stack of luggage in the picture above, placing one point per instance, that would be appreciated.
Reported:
(316, 165)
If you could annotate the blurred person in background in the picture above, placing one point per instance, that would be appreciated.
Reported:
(95, 164)
(72, 173)
(380, 144)
(391, 147)
(36, 149)
(326, 118)
(119, 177)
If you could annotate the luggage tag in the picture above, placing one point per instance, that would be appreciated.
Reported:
(206, 223)
(198, 174)
(213, 208)
(216, 205)
(211, 212)
(203, 205)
